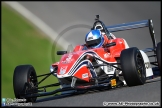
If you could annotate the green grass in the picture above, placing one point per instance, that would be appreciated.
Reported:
(22, 43)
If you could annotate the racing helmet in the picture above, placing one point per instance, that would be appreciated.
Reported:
(94, 39)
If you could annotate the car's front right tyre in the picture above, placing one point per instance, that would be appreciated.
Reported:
(24, 78)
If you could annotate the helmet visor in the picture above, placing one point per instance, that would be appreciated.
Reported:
(94, 43)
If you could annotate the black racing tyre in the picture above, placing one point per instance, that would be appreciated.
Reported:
(24, 78)
(133, 67)
(158, 53)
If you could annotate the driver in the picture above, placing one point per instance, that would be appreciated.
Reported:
(96, 38)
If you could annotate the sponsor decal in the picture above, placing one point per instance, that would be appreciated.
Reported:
(147, 65)
(90, 38)
(106, 55)
(68, 59)
(85, 75)
(109, 68)
(63, 70)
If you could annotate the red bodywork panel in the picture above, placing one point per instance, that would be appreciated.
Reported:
(113, 51)
(71, 64)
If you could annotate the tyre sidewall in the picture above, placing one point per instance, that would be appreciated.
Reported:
(158, 53)
(21, 79)
(129, 67)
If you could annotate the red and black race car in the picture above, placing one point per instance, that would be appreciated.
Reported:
(83, 70)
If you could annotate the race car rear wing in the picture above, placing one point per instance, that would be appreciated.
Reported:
(135, 25)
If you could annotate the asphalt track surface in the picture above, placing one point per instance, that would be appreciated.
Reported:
(63, 15)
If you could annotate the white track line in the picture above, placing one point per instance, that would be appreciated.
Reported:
(39, 23)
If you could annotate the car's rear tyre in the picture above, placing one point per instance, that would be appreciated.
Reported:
(133, 67)
(158, 53)
(24, 78)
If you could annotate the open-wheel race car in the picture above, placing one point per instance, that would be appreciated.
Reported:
(102, 68)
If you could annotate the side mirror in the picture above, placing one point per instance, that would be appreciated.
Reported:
(111, 44)
(61, 52)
